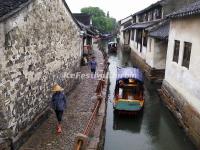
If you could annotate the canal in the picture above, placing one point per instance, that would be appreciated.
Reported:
(154, 129)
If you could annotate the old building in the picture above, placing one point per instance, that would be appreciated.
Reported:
(181, 86)
(40, 45)
(157, 51)
(150, 51)
(85, 21)
(124, 35)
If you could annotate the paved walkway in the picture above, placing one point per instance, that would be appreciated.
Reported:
(75, 117)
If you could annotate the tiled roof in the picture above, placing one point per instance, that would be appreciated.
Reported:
(160, 32)
(125, 18)
(143, 25)
(188, 10)
(128, 28)
(158, 3)
(83, 18)
(90, 29)
(8, 6)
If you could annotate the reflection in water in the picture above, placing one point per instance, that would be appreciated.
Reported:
(128, 123)
(155, 129)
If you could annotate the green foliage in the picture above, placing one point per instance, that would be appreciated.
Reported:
(103, 23)
(94, 11)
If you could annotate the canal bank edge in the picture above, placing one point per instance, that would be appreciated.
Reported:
(98, 135)
(152, 74)
(188, 118)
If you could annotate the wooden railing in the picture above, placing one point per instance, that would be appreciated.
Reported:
(81, 140)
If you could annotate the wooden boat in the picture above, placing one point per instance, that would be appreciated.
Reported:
(129, 90)
(112, 47)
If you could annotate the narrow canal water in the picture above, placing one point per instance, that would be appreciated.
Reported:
(154, 129)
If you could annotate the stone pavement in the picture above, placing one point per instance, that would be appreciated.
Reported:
(75, 117)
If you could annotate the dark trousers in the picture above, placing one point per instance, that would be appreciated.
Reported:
(59, 114)
(93, 71)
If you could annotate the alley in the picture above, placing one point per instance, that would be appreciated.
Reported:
(74, 119)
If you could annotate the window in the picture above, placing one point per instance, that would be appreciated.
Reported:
(150, 15)
(158, 13)
(140, 18)
(176, 50)
(150, 41)
(133, 35)
(145, 38)
(137, 36)
(145, 17)
(186, 54)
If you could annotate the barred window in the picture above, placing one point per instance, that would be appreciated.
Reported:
(186, 54)
(176, 50)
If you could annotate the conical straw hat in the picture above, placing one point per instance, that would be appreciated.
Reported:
(57, 88)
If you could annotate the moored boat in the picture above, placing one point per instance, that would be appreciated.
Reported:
(112, 47)
(129, 90)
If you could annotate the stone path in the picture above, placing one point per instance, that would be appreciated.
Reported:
(75, 117)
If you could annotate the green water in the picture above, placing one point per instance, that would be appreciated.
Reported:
(154, 129)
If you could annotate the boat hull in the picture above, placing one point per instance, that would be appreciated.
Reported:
(129, 105)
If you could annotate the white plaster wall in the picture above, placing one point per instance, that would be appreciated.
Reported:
(133, 46)
(121, 37)
(150, 52)
(132, 43)
(126, 37)
(156, 57)
(160, 54)
(144, 51)
(186, 81)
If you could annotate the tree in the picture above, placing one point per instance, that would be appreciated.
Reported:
(101, 21)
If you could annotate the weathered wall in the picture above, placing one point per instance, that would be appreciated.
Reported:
(160, 54)
(133, 46)
(185, 81)
(150, 52)
(188, 117)
(42, 45)
(126, 37)
(156, 53)
(121, 35)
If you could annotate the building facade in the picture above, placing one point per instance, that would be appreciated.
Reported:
(181, 86)
(150, 51)
(124, 35)
(40, 45)
(89, 33)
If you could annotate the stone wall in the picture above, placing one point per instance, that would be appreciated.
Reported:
(185, 113)
(39, 46)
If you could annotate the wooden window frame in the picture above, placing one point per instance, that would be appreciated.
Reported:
(176, 51)
(186, 54)
(133, 35)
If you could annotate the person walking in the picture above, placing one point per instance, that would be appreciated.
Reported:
(58, 104)
(93, 65)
